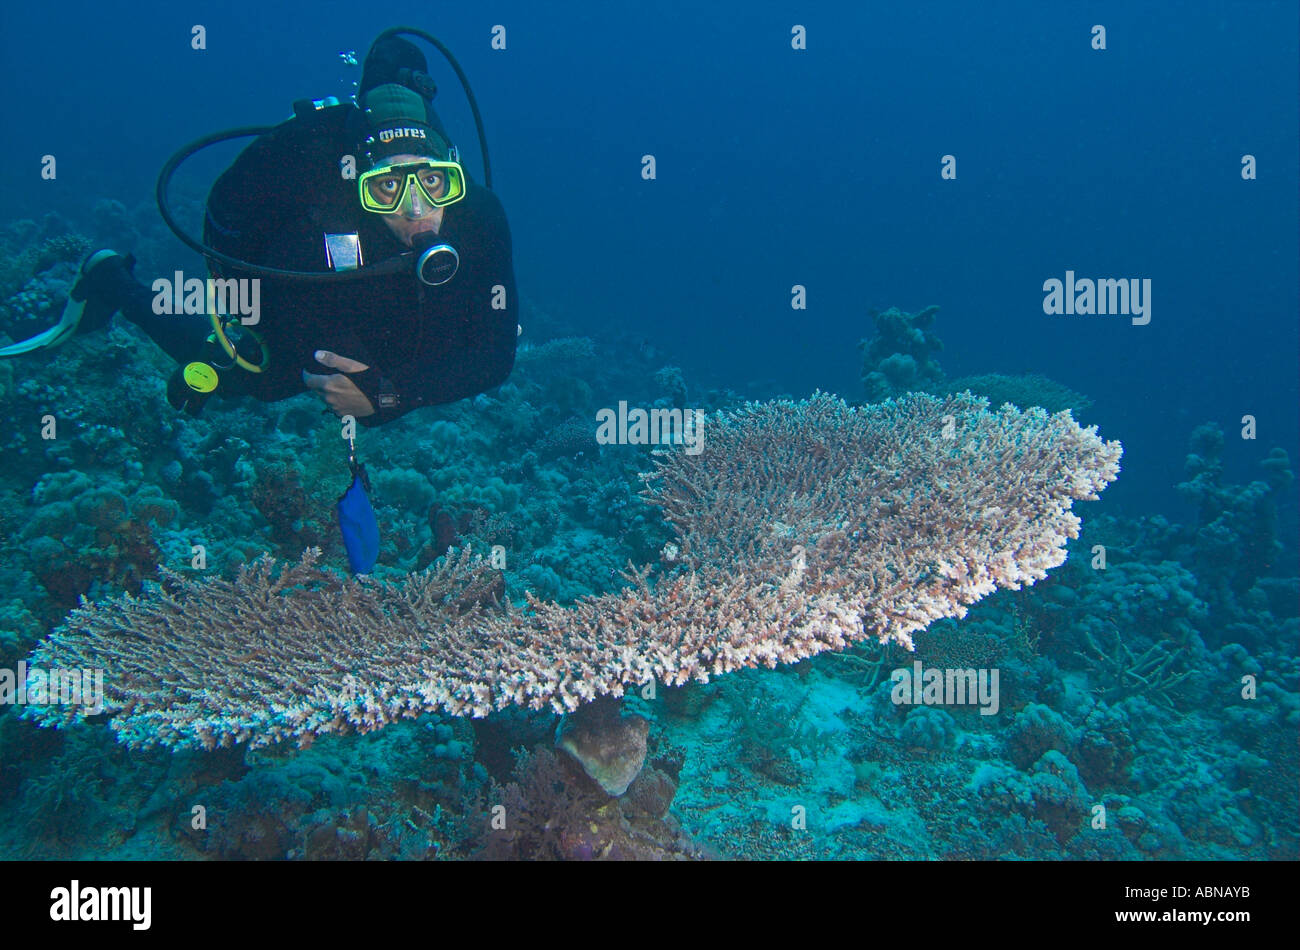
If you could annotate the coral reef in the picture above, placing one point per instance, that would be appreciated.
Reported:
(29, 248)
(551, 811)
(1198, 768)
(1023, 391)
(899, 358)
(804, 526)
(1234, 542)
(609, 746)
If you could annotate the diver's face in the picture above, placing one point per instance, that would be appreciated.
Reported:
(417, 215)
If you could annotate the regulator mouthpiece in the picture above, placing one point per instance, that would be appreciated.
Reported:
(436, 263)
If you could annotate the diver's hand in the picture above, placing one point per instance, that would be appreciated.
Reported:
(340, 392)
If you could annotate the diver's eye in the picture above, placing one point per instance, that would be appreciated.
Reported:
(385, 190)
(432, 181)
(384, 186)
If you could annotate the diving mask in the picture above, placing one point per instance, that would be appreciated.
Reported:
(392, 188)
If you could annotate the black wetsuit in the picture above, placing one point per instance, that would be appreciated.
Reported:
(424, 345)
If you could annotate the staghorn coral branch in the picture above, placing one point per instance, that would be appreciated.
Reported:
(809, 525)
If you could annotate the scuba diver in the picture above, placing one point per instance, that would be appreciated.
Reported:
(383, 272)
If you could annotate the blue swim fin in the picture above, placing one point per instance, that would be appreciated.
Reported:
(358, 522)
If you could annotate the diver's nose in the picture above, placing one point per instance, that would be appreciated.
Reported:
(417, 208)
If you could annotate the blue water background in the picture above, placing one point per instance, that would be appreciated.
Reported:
(778, 168)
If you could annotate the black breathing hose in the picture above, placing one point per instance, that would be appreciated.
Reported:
(391, 266)
(464, 82)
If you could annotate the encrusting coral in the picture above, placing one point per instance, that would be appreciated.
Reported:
(1029, 389)
(802, 526)
(610, 747)
(899, 358)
